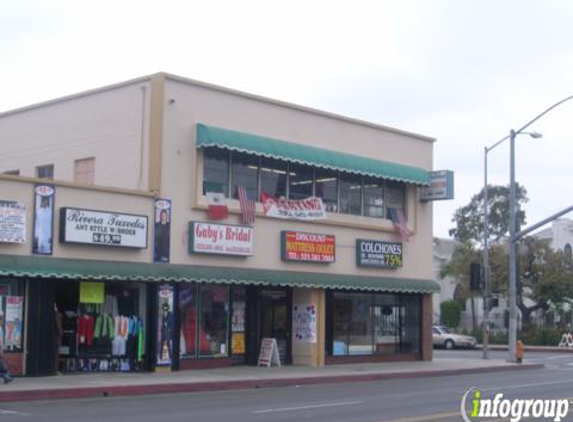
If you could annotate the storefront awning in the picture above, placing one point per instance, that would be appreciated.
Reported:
(210, 136)
(83, 269)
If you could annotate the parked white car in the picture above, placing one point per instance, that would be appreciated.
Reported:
(443, 337)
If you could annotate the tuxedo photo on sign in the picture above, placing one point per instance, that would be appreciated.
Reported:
(162, 229)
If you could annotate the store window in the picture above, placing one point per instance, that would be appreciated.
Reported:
(214, 319)
(245, 173)
(12, 294)
(188, 320)
(301, 180)
(374, 323)
(350, 194)
(386, 322)
(326, 187)
(216, 170)
(274, 177)
(102, 326)
(373, 197)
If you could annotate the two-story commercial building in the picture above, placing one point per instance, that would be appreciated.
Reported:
(129, 240)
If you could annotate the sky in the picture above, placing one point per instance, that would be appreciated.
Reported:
(462, 71)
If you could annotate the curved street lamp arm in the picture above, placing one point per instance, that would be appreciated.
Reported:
(543, 114)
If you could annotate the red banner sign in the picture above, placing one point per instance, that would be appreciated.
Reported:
(307, 247)
(301, 209)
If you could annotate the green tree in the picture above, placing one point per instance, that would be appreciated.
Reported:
(450, 313)
(469, 218)
(545, 278)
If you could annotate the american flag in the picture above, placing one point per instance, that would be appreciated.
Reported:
(247, 206)
(400, 222)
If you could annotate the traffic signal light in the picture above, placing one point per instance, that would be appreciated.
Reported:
(475, 277)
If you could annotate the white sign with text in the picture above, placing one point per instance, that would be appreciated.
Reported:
(103, 228)
(221, 239)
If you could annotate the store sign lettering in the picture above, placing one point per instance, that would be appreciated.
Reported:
(220, 239)
(373, 253)
(12, 222)
(103, 228)
(307, 247)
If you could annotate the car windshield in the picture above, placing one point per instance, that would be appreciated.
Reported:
(445, 330)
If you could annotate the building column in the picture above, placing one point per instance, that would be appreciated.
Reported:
(304, 351)
(427, 323)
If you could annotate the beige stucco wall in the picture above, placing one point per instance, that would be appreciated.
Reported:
(94, 199)
(109, 124)
(187, 104)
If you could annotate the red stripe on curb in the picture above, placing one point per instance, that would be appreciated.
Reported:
(135, 390)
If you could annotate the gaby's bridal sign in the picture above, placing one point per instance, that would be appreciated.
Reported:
(302, 209)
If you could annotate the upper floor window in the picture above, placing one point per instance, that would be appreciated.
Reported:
(45, 172)
(301, 180)
(373, 197)
(216, 170)
(245, 173)
(350, 194)
(84, 171)
(395, 196)
(326, 188)
(274, 177)
(345, 193)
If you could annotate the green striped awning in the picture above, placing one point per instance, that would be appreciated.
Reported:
(210, 136)
(83, 269)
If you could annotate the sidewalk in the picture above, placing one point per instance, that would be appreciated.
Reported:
(239, 377)
(552, 349)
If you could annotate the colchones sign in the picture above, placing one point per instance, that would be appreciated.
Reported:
(374, 253)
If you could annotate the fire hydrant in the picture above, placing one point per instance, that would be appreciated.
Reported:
(519, 351)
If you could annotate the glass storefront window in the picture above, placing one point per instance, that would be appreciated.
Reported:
(350, 194)
(374, 323)
(12, 294)
(216, 171)
(188, 319)
(245, 173)
(361, 330)
(214, 319)
(373, 197)
(273, 177)
(342, 314)
(326, 187)
(301, 179)
(386, 322)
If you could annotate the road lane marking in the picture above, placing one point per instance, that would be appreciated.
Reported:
(310, 406)
(12, 412)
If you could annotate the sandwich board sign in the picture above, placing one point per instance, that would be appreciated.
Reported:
(269, 353)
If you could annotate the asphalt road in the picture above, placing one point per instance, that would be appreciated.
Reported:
(406, 400)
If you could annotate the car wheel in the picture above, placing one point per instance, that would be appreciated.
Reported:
(449, 344)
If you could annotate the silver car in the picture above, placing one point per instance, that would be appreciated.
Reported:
(443, 337)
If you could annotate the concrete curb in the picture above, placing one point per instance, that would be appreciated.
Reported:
(530, 349)
(170, 388)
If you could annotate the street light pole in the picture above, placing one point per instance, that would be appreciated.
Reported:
(487, 289)
(512, 338)
(512, 228)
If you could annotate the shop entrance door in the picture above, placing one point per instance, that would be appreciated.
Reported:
(276, 320)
